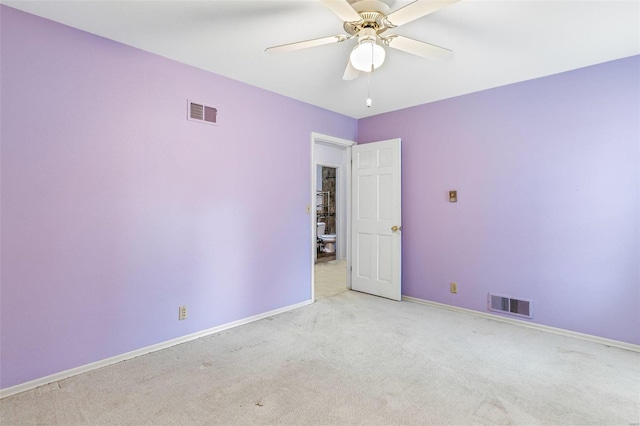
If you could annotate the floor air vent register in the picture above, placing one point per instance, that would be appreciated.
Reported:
(508, 305)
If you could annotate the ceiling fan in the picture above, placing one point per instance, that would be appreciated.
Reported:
(368, 20)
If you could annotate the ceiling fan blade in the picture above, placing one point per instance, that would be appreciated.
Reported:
(415, 10)
(306, 44)
(350, 73)
(420, 48)
(343, 9)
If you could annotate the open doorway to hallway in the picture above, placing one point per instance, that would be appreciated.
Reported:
(331, 181)
(330, 270)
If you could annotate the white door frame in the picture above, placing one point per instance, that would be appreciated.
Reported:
(346, 174)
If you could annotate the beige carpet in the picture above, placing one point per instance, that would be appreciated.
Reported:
(330, 278)
(353, 359)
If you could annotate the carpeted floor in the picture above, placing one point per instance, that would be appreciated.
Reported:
(353, 359)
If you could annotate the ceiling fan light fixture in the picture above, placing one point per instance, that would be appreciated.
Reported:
(366, 54)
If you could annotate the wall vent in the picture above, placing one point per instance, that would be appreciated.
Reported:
(508, 305)
(202, 113)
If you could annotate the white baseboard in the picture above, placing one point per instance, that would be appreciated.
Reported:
(548, 329)
(143, 351)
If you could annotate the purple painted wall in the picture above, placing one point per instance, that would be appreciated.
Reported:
(116, 209)
(548, 180)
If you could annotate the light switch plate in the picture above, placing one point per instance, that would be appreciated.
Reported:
(453, 196)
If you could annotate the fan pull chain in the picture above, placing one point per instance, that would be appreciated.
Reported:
(369, 90)
(369, 82)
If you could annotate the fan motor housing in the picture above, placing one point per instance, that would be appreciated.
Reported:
(372, 12)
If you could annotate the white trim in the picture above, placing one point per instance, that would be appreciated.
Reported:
(560, 331)
(319, 137)
(143, 351)
(341, 143)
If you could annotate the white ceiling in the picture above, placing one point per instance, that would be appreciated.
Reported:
(494, 43)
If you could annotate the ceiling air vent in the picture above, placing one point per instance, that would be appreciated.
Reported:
(508, 305)
(200, 112)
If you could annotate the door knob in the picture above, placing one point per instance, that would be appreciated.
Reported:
(394, 228)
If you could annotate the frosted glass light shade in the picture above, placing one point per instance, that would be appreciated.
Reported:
(366, 53)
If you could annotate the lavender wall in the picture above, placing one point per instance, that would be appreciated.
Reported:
(116, 209)
(548, 180)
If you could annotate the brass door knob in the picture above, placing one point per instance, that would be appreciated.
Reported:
(394, 228)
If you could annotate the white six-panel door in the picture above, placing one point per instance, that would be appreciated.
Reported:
(376, 228)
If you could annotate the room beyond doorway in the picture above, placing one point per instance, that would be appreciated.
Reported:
(330, 205)
(326, 214)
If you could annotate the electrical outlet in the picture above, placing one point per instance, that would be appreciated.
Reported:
(453, 287)
(182, 312)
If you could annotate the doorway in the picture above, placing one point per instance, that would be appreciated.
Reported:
(373, 232)
(326, 214)
(330, 210)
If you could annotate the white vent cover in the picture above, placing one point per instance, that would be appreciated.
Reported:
(198, 111)
(519, 307)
